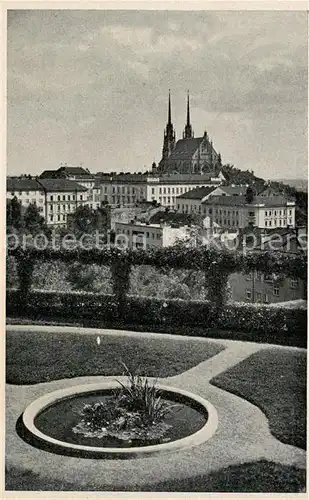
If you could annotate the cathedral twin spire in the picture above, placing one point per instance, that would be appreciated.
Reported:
(169, 131)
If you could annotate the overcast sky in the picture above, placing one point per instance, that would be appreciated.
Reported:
(91, 87)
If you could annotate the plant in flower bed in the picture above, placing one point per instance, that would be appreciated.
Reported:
(135, 411)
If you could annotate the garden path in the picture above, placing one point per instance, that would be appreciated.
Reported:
(242, 436)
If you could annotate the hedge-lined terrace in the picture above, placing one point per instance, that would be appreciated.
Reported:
(215, 265)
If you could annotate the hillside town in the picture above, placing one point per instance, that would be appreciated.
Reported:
(189, 191)
(156, 250)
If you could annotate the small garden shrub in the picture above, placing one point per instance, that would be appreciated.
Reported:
(134, 411)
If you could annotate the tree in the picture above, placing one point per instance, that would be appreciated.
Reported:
(33, 221)
(13, 213)
(249, 194)
(85, 220)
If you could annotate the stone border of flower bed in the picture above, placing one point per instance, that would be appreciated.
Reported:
(199, 437)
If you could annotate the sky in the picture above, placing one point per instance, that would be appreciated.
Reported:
(90, 88)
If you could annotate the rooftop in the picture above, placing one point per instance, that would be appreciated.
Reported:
(61, 185)
(240, 201)
(197, 193)
(22, 184)
(76, 171)
(185, 148)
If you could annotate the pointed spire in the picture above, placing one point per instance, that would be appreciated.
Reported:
(188, 109)
(169, 121)
(188, 134)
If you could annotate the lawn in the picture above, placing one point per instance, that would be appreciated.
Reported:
(255, 477)
(274, 380)
(40, 357)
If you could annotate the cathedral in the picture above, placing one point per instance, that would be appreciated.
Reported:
(189, 155)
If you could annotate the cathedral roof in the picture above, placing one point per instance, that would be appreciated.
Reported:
(185, 148)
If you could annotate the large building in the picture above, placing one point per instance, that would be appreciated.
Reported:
(26, 191)
(80, 175)
(234, 212)
(136, 234)
(129, 189)
(54, 198)
(189, 155)
(192, 201)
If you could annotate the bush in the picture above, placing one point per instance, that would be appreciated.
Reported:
(12, 279)
(238, 322)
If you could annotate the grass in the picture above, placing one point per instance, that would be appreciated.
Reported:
(40, 357)
(275, 381)
(254, 477)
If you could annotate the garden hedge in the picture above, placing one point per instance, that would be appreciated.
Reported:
(238, 322)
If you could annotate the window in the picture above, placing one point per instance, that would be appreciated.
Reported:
(275, 222)
(290, 221)
(51, 208)
(63, 208)
(51, 197)
(177, 190)
(69, 197)
(58, 208)
(73, 197)
(270, 222)
(160, 190)
(173, 190)
(294, 283)
(276, 291)
(180, 190)
(80, 196)
(290, 212)
(164, 190)
(58, 197)
(280, 222)
(152, 235)
(248, 294)
(284, 222)
(265, 213)
(275, 213)
(266, 223)
(63, 197)
(12, 194)
(147, 234)
(58, 217)
(51, 218)
(178, 207)
(152, 191)
(268, 278)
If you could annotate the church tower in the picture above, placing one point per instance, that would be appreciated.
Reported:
(169, 133)
(188, 133)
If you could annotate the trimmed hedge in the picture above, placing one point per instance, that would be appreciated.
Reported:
(239, 322)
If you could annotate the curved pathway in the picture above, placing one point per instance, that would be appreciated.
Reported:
(242, 436)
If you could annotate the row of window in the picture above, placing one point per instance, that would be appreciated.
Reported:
(139, 233)
(58, 218)
(269, 278)
(26, 193)
(270, 213)
(282, 222)
(64, 208)
(262, 297)
(65, 197)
